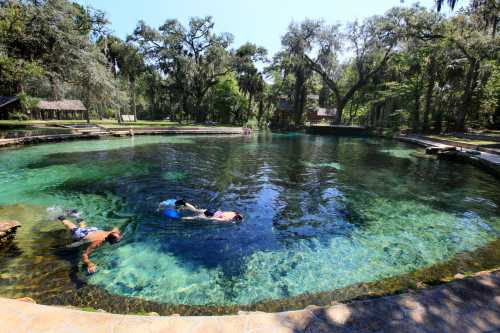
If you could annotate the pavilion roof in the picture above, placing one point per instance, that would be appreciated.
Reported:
(64, 104)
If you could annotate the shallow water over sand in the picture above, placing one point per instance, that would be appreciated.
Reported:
(321, 213)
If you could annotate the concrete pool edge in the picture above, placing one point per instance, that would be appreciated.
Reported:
(487, 161)
(466, 305)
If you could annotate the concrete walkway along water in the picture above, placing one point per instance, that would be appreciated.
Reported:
(468, 305)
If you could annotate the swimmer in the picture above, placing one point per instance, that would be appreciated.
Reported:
(92, 235)
(212, 215)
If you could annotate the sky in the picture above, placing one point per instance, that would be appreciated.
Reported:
(262, 22)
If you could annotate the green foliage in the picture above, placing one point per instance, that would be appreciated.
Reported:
(28, 102)
(18, 116)
(409, 68)
(228, 101)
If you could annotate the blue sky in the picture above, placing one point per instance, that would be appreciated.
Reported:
(262, 22)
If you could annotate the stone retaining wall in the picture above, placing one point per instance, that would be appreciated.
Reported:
(119, 132)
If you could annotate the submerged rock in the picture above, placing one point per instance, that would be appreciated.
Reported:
(7, 230)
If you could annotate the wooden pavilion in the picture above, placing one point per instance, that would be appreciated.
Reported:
(65, 109)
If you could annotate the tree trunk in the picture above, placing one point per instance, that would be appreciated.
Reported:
(54, 85)
(299, 100)
(20, 88)
(431, 75)
(340, 108)
(250, 109)
(132, 91)
(467, 96)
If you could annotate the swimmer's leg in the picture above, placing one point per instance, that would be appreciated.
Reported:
(192, 208)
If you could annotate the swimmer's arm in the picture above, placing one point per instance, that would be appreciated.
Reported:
(91, 267)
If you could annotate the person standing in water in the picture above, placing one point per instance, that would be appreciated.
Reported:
(92, 235)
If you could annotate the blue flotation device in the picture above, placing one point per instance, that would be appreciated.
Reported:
(168, 203)
(171, 213)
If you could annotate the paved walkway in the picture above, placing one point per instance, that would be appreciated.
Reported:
(491, 161)
(468, 305)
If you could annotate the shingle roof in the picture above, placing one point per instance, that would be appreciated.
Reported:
(5, 100)
(64, 104)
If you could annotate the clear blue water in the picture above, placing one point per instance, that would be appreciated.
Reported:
(321, 213)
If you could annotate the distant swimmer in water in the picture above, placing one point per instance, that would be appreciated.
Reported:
(96, 237)
(209, 214)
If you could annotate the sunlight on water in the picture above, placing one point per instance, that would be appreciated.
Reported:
(400, 153)
(386, 248)
(174, 175)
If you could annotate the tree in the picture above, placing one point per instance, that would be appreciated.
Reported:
(249, 78)
(372, 44)
(193, 58)
(297, 42)
(127, 62)
(489, 9)
(49, 38)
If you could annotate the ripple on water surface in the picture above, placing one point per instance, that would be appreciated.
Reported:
(321, 213)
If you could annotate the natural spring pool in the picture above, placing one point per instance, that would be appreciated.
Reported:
(321, 213)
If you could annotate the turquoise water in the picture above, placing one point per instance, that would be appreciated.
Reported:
(321, 213)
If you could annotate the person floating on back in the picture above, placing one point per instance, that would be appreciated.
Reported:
(96, 237)
(171, 207)
(209, 214)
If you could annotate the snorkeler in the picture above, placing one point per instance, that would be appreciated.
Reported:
(170, 208)
(209, 214)
(92, 235)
